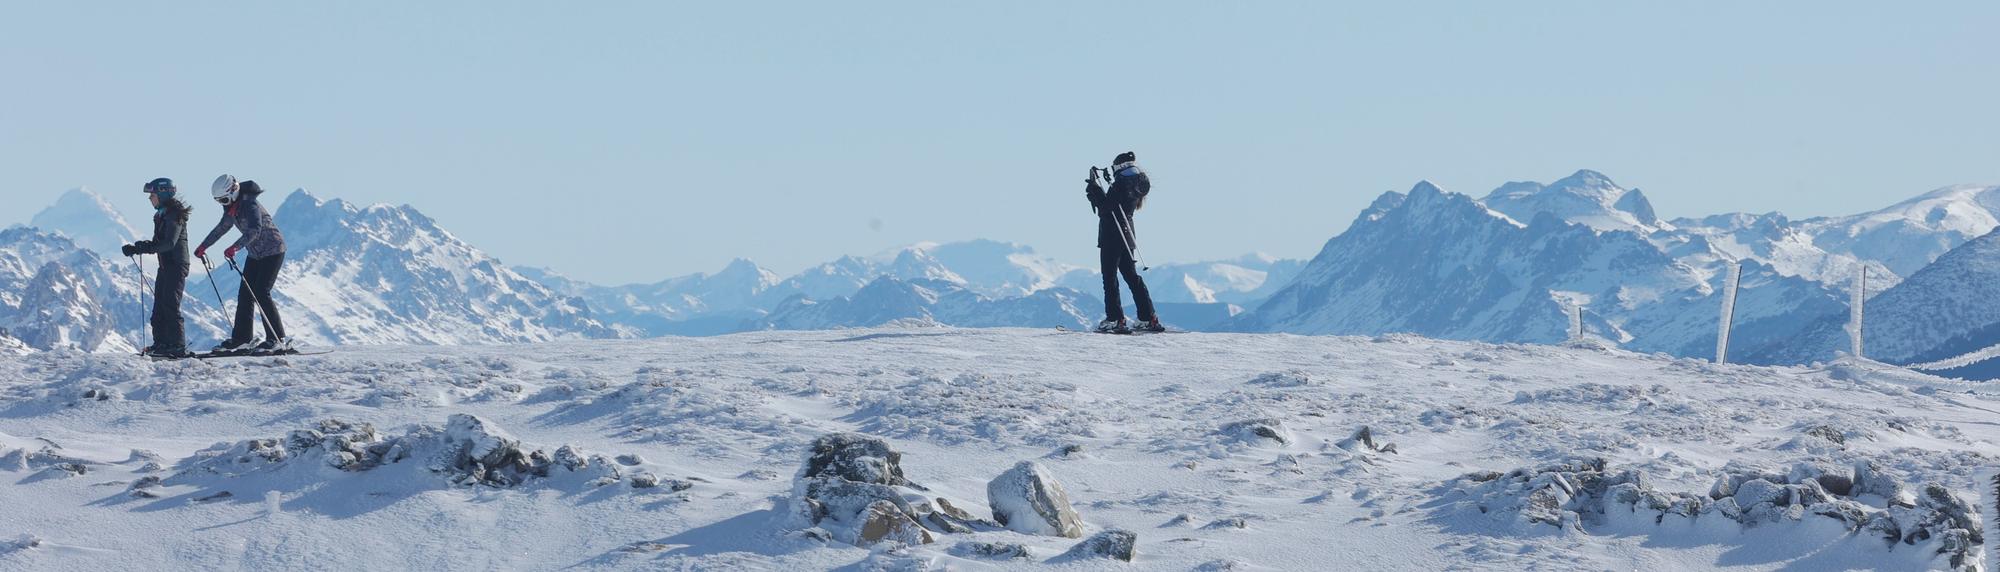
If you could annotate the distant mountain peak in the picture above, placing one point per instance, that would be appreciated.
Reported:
(1584, 179)
(88, 219)
(1585, 197)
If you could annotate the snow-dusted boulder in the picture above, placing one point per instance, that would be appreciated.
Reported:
(1028, 499)
(852, 487)
(1114, 544)
(855, 457)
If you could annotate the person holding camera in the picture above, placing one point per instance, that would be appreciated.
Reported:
(1118, 243)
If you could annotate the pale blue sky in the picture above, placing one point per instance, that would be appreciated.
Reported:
(633, 141)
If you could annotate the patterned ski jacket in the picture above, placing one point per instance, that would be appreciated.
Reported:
(260, 235)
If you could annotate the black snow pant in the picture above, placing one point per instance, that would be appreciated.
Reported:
(169, 329)
(1117, 261)
(259, 275)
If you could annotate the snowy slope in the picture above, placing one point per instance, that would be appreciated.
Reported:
(1949, 308)
(383, 274)
(1219, 452)
(89, 220)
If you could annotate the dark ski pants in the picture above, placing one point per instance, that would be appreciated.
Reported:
(259, 275)
(169, 333)
(1115, 262)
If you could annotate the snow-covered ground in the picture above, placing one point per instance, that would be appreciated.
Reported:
(1221, 452)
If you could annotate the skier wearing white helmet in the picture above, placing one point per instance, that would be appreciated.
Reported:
(266, 249)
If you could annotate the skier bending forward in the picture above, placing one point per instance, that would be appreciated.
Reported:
(1117, 242)
(260, 271)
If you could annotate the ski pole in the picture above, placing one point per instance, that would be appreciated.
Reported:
(254, 301)
(144, 337)
(210, 271)
(1118, 218)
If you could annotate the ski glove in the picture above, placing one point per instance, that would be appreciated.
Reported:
(231, 251)
(201, 253)
(128, 250)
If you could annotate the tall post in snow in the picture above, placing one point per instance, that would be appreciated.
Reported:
(1728, 311)
(1859, 297)
(1575, 321)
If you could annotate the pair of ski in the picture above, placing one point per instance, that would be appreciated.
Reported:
(1124, 332)
(216, 355)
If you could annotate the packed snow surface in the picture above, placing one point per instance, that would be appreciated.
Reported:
(1178, 452)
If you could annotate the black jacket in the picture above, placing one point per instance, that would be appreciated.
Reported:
(170, 238)
(1129, 186)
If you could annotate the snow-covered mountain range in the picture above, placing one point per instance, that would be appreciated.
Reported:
(383, 274)
(56, 294)
(977, 282)
(1508, 267)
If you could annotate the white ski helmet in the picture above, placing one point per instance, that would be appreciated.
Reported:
(224, 189)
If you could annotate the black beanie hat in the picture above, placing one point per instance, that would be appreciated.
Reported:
(1125, 157)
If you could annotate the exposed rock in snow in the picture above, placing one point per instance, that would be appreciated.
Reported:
(854, 457)
(1293, 378)
(1114, 544)
(19, 543)
(467, 451)
(1028, 499)
(1364, 440)
(1252, 430)
(991, 550)
(46, 462)
(1579, 495)
(852, 486)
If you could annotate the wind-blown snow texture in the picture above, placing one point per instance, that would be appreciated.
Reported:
(1212, 451)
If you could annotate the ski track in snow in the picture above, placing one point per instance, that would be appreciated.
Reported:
(1162, 452)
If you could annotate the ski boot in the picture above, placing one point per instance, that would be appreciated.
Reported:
(1152, 326)
(233, 347)
(158, 353)
(279, 346)
(1110, 326)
